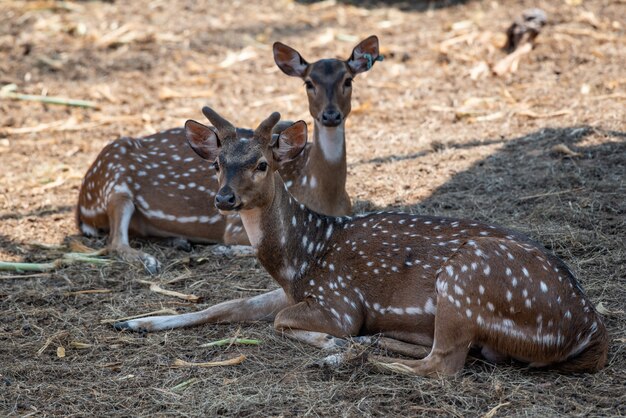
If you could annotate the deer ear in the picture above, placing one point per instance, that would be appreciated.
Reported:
(289, 60)
(364, 55)
(290, 143)
(202, 139)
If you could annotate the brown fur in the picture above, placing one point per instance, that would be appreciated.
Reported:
(446, 283)
(179, 204)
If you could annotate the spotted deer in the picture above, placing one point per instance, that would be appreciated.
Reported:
(429, 286)
(155, 185)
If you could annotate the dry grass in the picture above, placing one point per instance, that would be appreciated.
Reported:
(427, 134)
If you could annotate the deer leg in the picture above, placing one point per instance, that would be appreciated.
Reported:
(453, 338)
(120, 211)
(395, 346)
(297, 321)
(263, 307)
(316, 339)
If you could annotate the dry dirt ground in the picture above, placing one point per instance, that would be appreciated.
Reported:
(424, 136)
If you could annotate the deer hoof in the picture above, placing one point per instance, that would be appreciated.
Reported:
(347, 357)
(180, 244)
(121, 326)
(365, 340)
(335, 343)
(332, 361)
(130, 326)
(150, 263)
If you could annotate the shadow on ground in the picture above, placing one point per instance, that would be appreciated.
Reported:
(404, 5)
(572, 204)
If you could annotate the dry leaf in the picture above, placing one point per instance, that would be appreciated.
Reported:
(363, 108)
(563, 149)
(490, 116)
(79, 247)
(79, 345)
(479, 70)
(233, 58)
(608, 312)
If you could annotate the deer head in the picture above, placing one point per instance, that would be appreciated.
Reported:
(245, 160)
(329, 81)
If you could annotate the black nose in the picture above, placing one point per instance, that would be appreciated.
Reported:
(225, 199)
(331, 118)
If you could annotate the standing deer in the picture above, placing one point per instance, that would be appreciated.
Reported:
(154, 186)
(419, 281)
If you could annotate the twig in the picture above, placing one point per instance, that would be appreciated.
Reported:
(24, 276)
(17, 267)
(534, 115)
(230, 341)
(158, 289)
(492, 412)
(184, 385)
(618, 96)
(250, 289)
(49, 340)
(586, 32)
(7, 91)
(510, 63)
(67, 260)
(230, 362)
(44, 246)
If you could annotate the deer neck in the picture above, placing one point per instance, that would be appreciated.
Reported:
(286, 235)
(327, 159)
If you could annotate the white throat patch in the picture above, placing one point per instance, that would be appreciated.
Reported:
(252, 223)
(331, 141)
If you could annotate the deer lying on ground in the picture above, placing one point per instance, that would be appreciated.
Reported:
(154, 186)
(419, 281)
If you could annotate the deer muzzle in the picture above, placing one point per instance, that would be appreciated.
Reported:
(331, 117)
(226, 200)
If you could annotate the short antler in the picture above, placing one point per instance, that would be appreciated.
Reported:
(224, 127)
(264, 130)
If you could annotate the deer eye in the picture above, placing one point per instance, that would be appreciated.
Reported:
(216, 165)
(309, 85)
(348, 82)
(262, 166)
